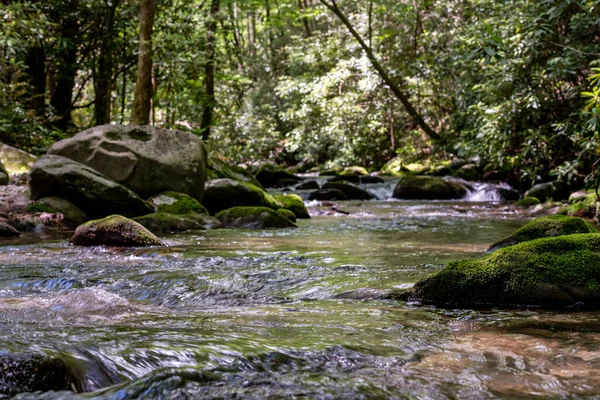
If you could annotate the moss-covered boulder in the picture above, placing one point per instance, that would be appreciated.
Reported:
(21, 373)
(354, 170)
(527, 202)
(219, 168)
(327, 195)
(294, 203)
(468, 172)
(556, 191)
(72, 216)
(288, 214)
(94, 193)
(176, 203)
(352, 192)
(8, 231)
(16, 161)
(371, 179)
(583, 204)
(221, 194)
(428, 188)
(550, 272)
(114, 230)
(345, 178)
(253, 218)
(268, 175)
(159, 223)
(285, 183)
(549, 226)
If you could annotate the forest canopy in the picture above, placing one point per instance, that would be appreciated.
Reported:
(515, 84)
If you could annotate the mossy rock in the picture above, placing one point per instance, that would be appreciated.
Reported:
(253, 218)
(328, 195)
(345, 179)
(329, 172)
(160, 222)
(550, 272)
(176, 203)
(354, 170)
(28, 372)
(352, 192)
(73, 216)
(222, 194)
(294, 203)
(268, 175)
(114, 230)
(288, 214)
(583, 204)
(370, 179)
(468, 172)
(549, 226)
(527, 202)
(285, 182)
(218, 168)
(428, 188)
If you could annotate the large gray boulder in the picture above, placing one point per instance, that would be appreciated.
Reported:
(85, 187)
(146, 159)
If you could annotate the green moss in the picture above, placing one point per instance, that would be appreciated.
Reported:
(354, 171)
(269, 174)
(527, 202)
(551, 272)
(253, 218)
(584, 205)
(221, 194)
(164, 222)
(177, 203)
(352, 192)
(218, 168)
(288, 214)
(40, 208)
(294, 203)
(550, 226)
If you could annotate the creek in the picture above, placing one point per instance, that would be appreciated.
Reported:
(294, 313)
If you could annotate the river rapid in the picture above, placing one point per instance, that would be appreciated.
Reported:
(295, 313)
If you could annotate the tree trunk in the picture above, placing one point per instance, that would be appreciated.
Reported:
(65, 69)
(103, 78)
(416, 117)
(36, 69)
(143, 86)
(209, 71)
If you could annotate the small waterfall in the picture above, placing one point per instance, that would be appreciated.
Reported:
(489, 192)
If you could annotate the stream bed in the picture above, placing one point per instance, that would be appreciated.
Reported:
(294, 313)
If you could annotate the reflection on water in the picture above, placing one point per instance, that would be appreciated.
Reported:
(291, 313)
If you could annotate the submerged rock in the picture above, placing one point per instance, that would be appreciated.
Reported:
(176, 203)
(428, 188)
(352, 192)
(145, 159)
(221, 194)
(7, 231)
(294, 203)
(163, 222)
(327, 195)
(268, 175)
(253, 218)
(20, 373)
(94, 193)
(114, 230)
(549, 226)
(550, 272)
(72, 216)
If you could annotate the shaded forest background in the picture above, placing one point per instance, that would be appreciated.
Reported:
(513, 83)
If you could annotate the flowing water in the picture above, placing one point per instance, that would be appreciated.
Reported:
(294, 313)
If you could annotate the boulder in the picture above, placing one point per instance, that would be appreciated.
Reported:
(95, 194)
(285, 183)
(288, 214)
(549, 226)
(550, 272)
(355, 170)
(583, 204)
(253, 218)
(269, 174)
(294, 203)
(327, 194)
(221, 194)
(352, 192)
(218, 168)
(145, 159)
(527, 202)
(371, 179)
(16, 161)
(72, 216)
(428, 188)
(161, 222)
(176, 203)
(345, 178)
(7, 231)
(308, 185)
(468, 172)
(114, 230)
(4, 178)
(556, 191)
(20, 373)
